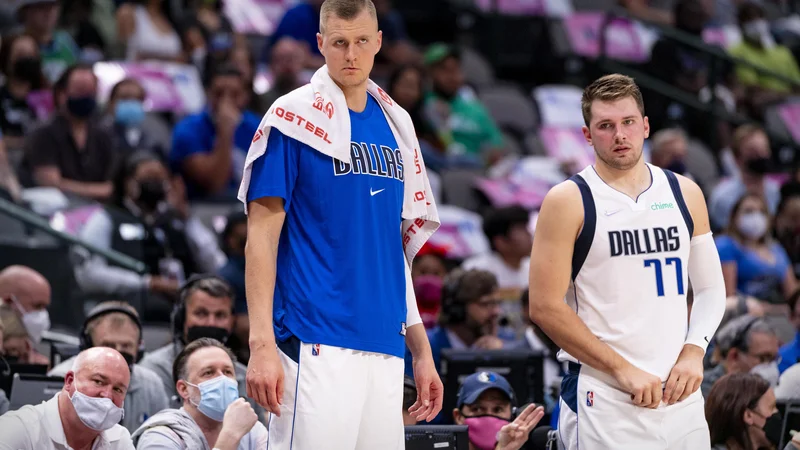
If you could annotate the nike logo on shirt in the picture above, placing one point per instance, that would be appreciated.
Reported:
(612, 212)
(373, 193)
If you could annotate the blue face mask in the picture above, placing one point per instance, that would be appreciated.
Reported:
(215, 396)
(129, 113)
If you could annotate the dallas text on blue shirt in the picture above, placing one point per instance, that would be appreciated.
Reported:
(340, 275)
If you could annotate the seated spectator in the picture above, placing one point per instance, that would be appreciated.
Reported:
(242, 59)
(21, 64)
(649, 11)
(78, 21)
(668, 150)
(745, 344)
(508, 235)
(234, 239)
(59, 51)
(116, 325)
(211, 411)
(790, 352)
(285, 66)
(464, 125)
(210, 148)
(742, 414)
(84, 414)
(301, 23)
(469, 318)
(216, 31)
(536, 340)
(148, 220)
(148, 32)
(485, 404)
(751, 150)
(205, 309)
(57, 153)
(753, 263)
(134, 129)
(27, 292)
(409, 398)
(787, 224)
(396, 47)
(758, 47)
(429, 261)
(17, 344)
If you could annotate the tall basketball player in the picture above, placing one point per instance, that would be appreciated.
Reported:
(618, 241)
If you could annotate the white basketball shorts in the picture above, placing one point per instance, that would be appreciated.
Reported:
(596, 415)
(338, 399)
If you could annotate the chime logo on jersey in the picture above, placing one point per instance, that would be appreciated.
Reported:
(371, 159)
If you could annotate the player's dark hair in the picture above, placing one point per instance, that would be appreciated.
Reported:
(345, 9)
(729, 398)
(610, 88)
(179, 365)
(498, 222)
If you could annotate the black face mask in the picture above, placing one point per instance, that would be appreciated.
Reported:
(151, 193)
(81, 107)
(28, 69)
(195, 333)
(759, 165)
(772, 428)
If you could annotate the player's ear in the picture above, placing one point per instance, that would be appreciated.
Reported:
(646, 127)
(587, 134)
(380, 41)
(319, 44)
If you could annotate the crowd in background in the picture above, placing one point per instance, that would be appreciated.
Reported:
(140, 172)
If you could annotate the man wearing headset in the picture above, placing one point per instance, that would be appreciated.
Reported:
(486, 404)
(116, 324)
(204, 309)
(745, 344)
(470, 316)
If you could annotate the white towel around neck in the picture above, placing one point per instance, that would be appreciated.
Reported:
(317, 115)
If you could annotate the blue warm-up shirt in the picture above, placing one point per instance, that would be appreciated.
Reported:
(340, 275)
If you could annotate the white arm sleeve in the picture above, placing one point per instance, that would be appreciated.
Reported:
(705, 274)
(412, 316)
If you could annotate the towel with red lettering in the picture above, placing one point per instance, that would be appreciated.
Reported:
(316, 115)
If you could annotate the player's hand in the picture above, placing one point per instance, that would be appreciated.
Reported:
(430, 390)
(265, 378)
(686, 375)
(488, 343)
(514, 435)
(645, 388)
(239, 419)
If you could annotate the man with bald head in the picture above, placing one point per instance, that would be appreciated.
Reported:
(28, 292)
(85, 414)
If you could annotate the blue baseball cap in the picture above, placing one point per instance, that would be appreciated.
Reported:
(478, 383)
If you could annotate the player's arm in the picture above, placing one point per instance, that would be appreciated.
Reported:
(560, 221)
(708, 307)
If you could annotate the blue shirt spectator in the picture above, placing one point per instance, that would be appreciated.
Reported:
(754, 275)
(209, 148)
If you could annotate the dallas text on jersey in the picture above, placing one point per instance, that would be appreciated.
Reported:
(369, 159)
(643, 242)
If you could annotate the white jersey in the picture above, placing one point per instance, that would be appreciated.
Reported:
(630, 269)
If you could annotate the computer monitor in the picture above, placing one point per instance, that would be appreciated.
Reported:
(8, 370)
(522, 368)
(790, 411)
(60, 352)
(33, 389)
(437, 437)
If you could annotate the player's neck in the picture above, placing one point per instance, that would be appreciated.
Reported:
(355, 96)
(630, 182)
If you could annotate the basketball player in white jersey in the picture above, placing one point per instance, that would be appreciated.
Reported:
(619, 241)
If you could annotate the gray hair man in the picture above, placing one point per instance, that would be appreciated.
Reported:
(84, 414)
(745, 344)
(116, 325)
(669, 149)
(212, 414)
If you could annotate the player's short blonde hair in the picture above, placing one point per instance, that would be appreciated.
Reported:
(610, 88)
(345, 9)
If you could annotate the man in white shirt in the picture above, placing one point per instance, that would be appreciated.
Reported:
(508, 234)
(85, 414)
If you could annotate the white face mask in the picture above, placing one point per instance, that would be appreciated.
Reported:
(36, 322)
(758, 30)
(753, 225)
(768, 371)
(99, 414)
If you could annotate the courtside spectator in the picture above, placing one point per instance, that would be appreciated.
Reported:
(132, 127)
(40, 19)
(84, 414)
(21, 64)
(27, 292)
(211, 410)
